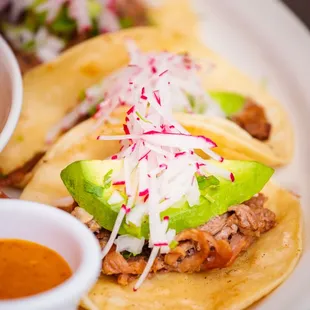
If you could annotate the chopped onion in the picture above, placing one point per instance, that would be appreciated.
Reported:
(115, 198)
(136, 214)
(129, 243)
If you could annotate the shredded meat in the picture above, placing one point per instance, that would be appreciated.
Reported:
(252, 218)
(115, 263)
(215, 244)
(86, 219)
(215, 225)
(17, 176)
(253, 119)
(103, 237)
(238, 244)
(181, 260)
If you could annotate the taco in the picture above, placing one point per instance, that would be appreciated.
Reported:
(176, 230)
(257, 133)
(38, 30)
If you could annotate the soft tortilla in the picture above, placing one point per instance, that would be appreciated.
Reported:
(79, 143)
(52, 90)
(266, 264)
(255, 274)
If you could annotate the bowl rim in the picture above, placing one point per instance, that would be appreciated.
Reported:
(72, 290)
(17, 94)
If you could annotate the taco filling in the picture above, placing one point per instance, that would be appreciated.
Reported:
(188, 91)
(38, 30)
(215, 244)
(156, 206)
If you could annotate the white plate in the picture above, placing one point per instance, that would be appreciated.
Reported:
(265, 40)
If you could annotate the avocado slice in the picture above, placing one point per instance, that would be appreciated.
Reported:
(230, 102)
(87, 183)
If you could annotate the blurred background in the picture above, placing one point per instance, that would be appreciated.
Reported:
(301, 8)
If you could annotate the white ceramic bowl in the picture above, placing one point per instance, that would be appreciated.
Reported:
(61, 232)
(11, 91)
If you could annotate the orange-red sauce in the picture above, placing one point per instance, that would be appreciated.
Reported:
(28, 268)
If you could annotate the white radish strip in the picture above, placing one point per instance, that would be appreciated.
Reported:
(159, 150)
(108, 21)
(147, 268)
(193, 194)
(136, 214)
(143, 178)
(52, 8)
(212, 169)
(213, 155)
(168, 117)
(178, 140)
(163, 206)
(114, 232)
(157, 171)
(123, 211)
(170, 235)
(165, 223)
(119, 137)
(157, 235)
(102, 119)
(79, 11)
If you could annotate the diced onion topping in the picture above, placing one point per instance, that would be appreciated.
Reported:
(115, 198)
(129, 243)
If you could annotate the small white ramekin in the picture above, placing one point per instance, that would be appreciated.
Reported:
(61, 232)
(11, 93)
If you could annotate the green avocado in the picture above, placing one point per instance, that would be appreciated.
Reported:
(230, 103)
(89, 184)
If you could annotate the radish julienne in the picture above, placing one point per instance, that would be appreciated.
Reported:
(124, 87)
(159, 165)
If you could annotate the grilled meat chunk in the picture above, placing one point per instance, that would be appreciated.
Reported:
(215, 244)
(253, 119)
